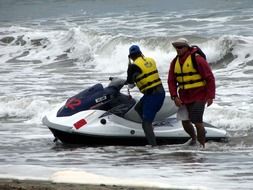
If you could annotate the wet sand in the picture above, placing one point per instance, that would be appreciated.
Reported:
(14, 184)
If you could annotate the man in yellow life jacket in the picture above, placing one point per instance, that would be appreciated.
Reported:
(192, 86)
(143, 73)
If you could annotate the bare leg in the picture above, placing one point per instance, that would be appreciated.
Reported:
(201, 133)
(188, 127)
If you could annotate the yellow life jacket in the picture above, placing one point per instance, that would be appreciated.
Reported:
(149, 77)
(187, 76)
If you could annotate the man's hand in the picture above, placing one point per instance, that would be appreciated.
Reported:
(178, 101)
(209, 102)
(130, 86)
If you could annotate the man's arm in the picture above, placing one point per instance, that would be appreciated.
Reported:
(207, 74)
(172, 83)
(132, 72)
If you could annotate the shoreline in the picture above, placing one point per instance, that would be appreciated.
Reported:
(17, 184)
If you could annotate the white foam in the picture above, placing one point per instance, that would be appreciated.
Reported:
(82, 177)
(229, 118)
(109, 55)
(33, 108)
(116, 60)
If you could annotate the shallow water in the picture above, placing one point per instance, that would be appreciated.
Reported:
(52, 50)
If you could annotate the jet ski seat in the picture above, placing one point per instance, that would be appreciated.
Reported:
(168, 109)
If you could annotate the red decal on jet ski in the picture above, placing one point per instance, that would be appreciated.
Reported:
(73, 103)
(80, 123)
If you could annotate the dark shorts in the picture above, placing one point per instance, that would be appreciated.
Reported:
(196, 111)
(149, 105)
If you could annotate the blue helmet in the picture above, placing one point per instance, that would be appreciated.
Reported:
(134, 49)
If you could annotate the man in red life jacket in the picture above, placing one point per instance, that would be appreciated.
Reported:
(191, 86)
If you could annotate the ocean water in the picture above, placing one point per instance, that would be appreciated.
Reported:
(51, 50)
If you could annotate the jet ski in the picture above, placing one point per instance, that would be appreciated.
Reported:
(100, 116)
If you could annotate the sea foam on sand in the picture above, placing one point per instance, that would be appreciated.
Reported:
(82, 177)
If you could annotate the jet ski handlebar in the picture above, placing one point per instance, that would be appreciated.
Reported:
(116, 82)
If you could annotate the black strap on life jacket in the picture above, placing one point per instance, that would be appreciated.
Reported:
(146, 75)
(190, 82)
(150, 83)
(193, 56)
(185, 74)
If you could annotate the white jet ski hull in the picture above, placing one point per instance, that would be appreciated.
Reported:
(105, 116)
(99, 128)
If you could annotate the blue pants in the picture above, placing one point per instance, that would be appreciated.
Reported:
(149, 105)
